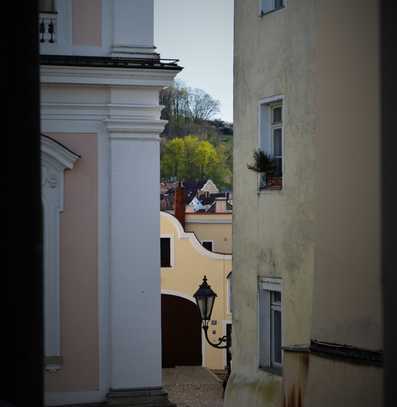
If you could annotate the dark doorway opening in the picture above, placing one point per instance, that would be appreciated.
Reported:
(181, 332)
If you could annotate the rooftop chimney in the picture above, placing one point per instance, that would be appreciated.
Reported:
(179, 204)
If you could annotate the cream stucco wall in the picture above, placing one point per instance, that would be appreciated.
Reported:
(216, 227)
(78, 270)
(272, 231)
(190, 263)
(320, 233)
(348, 179)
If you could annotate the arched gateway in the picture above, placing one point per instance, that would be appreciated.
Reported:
(181, 332)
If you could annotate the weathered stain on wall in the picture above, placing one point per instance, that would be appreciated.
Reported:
(261, 390)
(294, 383)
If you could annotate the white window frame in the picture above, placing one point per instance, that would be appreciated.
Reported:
(172, 250)
(266, 341)
(269, 6)
(210, 241)
(266, 128)
(276, 126)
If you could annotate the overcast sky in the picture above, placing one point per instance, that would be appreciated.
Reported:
(200, 35)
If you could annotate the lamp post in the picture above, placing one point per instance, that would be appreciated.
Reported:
(205, 298)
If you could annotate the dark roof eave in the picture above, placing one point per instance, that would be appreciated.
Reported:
(110, 62)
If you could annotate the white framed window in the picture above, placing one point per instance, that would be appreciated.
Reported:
(271, 137)
(267, 6)
(270, 324)
(166, 251)
(208, 244)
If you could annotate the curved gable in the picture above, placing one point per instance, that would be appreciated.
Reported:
(181, 234)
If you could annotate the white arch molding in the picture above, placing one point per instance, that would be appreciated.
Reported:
(179, 294)
(55, 159)
(193, 239)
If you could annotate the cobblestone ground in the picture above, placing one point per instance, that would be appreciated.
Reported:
(193, 386)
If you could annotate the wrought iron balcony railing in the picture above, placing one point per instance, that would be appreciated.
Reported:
(47, 27)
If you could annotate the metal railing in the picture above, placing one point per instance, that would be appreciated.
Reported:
(47, 28)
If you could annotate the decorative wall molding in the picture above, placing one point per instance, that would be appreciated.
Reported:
(158, 78)
(346, 353)
(135, 128)
(342, 352)
(179, 294)
(55, 159)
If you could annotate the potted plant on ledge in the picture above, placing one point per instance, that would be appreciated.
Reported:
(264, 165)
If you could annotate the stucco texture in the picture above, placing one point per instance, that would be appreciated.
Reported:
(78, 270)
(320, 233)
(212, 228)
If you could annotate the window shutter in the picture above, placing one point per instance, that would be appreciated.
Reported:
(264, 328)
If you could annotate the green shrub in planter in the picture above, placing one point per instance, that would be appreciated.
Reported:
(264, 165)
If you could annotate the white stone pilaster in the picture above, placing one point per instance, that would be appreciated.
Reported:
(135, 315)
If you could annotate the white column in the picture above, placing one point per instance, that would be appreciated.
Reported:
(135, 317)
(133, 27)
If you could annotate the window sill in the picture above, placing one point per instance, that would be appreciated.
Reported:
(270, 184)
(265, 13)
(271, 190)
(276, 371)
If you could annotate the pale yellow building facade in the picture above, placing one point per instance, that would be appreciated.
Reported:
(189, 263)
(212, 227)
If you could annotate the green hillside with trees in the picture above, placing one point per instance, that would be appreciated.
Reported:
(195, 146)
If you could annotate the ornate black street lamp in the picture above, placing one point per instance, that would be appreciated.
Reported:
(205, 298)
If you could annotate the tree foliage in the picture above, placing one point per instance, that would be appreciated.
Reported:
(207, 154)
(190, 158)
(187, 110)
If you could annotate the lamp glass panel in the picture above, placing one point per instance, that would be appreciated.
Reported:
(210, 305)
(201, 302)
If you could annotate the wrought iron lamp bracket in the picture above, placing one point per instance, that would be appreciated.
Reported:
(220, 340)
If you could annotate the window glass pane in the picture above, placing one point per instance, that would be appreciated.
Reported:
(279, 167)
(277, 336)
(208, 245)
(276, 297)
(266, 5)
(277, 145)
(278, 4)
(276, 115)
(165, 251)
